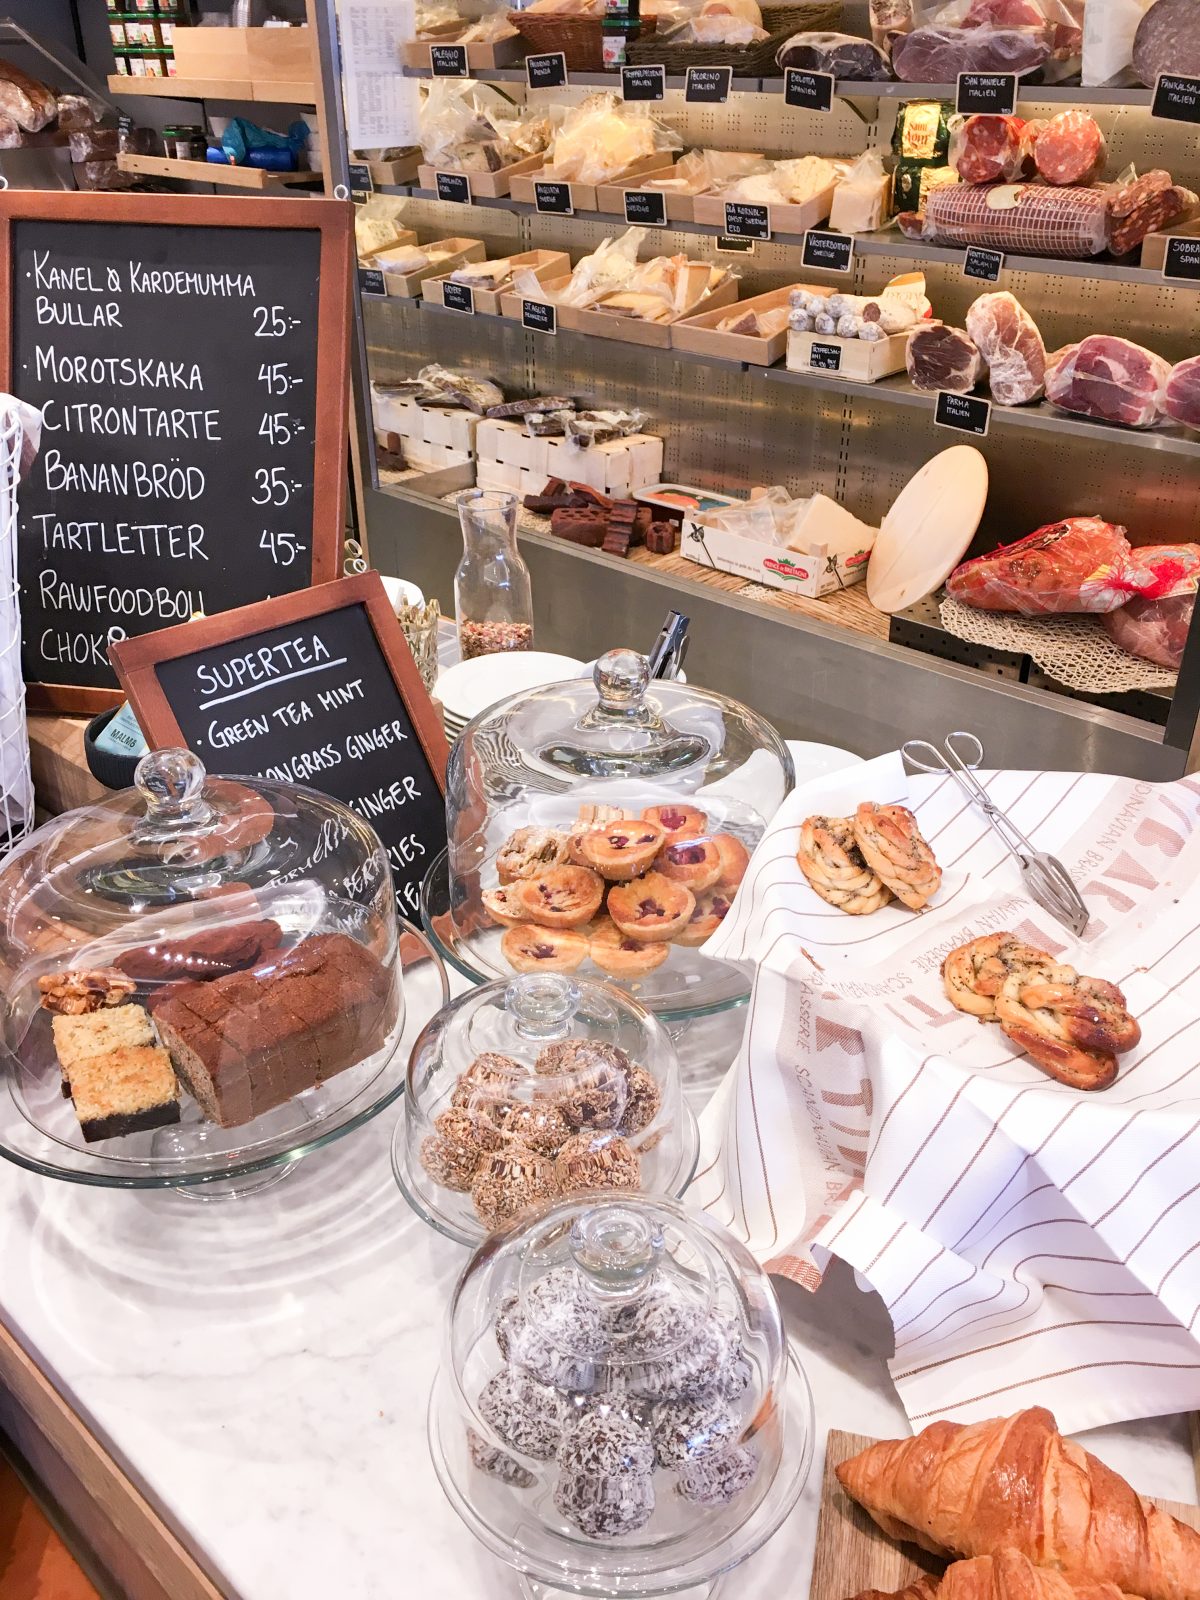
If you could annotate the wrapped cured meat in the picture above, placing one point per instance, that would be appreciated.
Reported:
(1024, 219)
(1155, 626)
(1167, 40)
(842, 54)
(889, 19)
(990, 149)
(29, 103)
(1108, 378)
(1070, 149)
(1181, 393)
(1143, 206)
(1009, 341)
(940, 357)
(938, 55)
(1063, 567)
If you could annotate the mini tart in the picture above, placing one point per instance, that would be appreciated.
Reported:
(501, 905)
(651, 909)
(711, 910)
(564, 897)
(622, 850)
(735, 859)
(677, 821)
(528, 948)
(616, 953)
(695, 862)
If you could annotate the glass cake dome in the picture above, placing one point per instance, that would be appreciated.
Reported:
(618, 1411)
(541, 1086)
(604, 828)
(202, 979)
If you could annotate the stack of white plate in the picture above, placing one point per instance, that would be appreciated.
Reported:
(472, 686)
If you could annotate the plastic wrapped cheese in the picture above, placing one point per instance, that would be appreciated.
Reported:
(603, 136)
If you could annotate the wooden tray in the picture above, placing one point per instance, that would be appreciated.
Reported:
(853, 1554)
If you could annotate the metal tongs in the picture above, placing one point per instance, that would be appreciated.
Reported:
(1047, 880)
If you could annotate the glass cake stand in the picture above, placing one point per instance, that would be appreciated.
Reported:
(39, 1130)
(708, 988)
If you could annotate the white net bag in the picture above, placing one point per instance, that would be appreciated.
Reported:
(20, 432)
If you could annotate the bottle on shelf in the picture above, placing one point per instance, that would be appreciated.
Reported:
(621, 23)
(493, 601)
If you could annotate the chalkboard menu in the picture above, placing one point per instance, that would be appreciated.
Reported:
(317, 688)
(188, 356)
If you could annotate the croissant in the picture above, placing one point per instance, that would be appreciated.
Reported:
(923, 1588)
(1017, 1483)
(1005, 1576)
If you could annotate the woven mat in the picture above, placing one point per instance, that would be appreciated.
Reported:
(1075, 651)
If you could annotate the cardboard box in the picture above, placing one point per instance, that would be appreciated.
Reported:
(655, 335)
(267, 55)
(406, 285)
(812, 572)
(403, 169)
(544, 264)
(496, 53)
(511, 303)
(857, 359)
(585, 196)
(617, 467)
(443, 427)
(406, 236)
(700, 333)
(1154, 245)
(710, 209)
(611, 197)
(489, 185)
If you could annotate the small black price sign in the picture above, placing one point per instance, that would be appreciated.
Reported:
(554, 197)
(448, 60)
(538, 317)
(727, 245)
(1183, 260)
(1177, 99)
(362, 183)
(646, 208)
(747, 222)
(458, 297)
(370, 281)
(810, 91)
(825, 357)
(827, 252)
(643, 83)
(987, 94)
(546, 72)
(963, 412)
(986, 265)
(708, 86)
(453, 186)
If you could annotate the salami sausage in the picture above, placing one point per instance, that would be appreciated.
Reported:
(989, 149)
(1143, 207)
(1070, 149)
(1024, 219)
(1167, 40)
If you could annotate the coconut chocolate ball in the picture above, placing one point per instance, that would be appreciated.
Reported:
(540, 1126)
(561, 1308)
(655, 1322)
(687, 1430)
(605, 1508)
(492, 1067)
(696, 1368)
(643, 1100)
(717, 1479)
(525, 1414)
(598, 1161)
(496, 1464)
(594, 1087)
(573, 1055)
(452, 1153)
(736, 1378)
(524, 1346)
(603, 1443)
(509, 1181)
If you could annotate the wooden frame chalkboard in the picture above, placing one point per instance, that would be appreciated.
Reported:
(137, 662)
(331, 221)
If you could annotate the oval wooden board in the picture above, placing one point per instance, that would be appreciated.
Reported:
(853, 1554)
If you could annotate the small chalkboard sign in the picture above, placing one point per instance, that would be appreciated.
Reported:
(538, 316)
(825, 357)
(644, 207)
(744, 221)
(963, 412)
(643, 83)
(455, 186)
(362, 182)
(547, 71)
(809, 91)
(1177, 99)
(827, 252)
(316, 688)
(985, 265)
(458, 297)
(448, 60)
(371, 281)
(708, 86)
(554, 198)
(726, 244)
(1182, 261)
(189, 356)
(987, 94)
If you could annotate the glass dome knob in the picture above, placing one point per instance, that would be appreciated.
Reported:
(621, 678)
(542, 1003)
(169, 780)
(616, 1246)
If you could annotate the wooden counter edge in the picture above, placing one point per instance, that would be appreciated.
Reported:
(128, 1539)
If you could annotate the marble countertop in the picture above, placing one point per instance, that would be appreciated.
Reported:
(260, 1368)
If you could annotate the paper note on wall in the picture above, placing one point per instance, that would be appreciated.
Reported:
(381, 105)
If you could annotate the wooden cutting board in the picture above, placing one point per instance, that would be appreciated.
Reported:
(853, 1554)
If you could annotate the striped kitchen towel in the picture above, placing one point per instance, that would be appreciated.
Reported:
(1035, 1245)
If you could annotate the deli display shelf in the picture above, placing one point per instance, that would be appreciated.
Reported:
(266, 93)
(223, 177)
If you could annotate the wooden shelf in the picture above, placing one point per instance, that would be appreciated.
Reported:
(213, 172)
(292, 93)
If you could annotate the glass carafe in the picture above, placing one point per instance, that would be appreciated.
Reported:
(493, 602)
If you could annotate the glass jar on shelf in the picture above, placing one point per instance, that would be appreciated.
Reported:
(493, 600)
